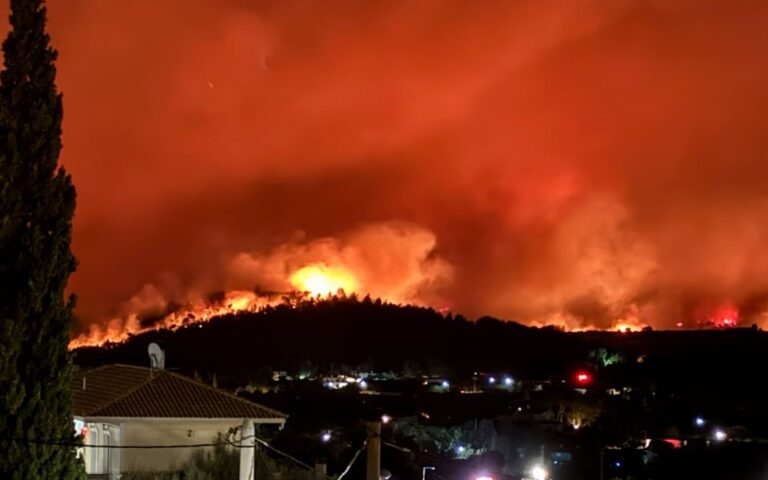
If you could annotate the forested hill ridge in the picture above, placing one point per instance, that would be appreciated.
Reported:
(347, 332)
(340, 330)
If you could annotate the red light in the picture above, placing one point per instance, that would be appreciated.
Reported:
(675, 443)
(583, 378)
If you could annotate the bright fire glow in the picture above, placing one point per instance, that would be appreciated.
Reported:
(196, 311)
(318, 279)
(313, 280)
(724, 316)
(628, 327)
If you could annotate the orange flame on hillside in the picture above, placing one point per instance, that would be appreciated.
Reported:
(316, 280)
(393, 261)
(119, 330)
(321, 280)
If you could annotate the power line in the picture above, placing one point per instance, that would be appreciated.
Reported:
(354, 457)
(62, 443)
(227, 442)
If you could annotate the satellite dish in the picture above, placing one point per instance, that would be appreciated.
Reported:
(156, 356)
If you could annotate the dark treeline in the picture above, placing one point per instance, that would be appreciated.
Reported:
(345, 332)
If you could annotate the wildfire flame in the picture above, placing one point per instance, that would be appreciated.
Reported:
(319, 279)
(396, 262)
(725, 316)
(196, 311)
(313, 280)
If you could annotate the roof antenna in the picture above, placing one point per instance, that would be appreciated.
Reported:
(156, 356)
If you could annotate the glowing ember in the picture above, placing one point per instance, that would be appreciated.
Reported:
(319, 279)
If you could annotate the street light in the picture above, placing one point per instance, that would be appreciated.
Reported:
(508, 381)
(424, 472)
(700, 422)
(539, 473)
(720, 435)
(326, 437)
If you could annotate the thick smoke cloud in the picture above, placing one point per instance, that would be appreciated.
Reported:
(396, 262)
(584, 162)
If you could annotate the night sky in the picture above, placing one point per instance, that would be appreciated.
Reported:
(587, 163)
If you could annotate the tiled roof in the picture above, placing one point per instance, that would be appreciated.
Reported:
(131, 391)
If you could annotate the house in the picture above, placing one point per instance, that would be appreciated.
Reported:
(119, 406)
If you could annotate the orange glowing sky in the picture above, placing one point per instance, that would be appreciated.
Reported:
(587, 162)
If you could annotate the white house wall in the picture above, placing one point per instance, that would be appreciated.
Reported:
(150, 432)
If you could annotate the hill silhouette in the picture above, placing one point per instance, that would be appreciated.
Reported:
(343, 332)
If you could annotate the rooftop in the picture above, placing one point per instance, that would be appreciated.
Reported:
(133, 391)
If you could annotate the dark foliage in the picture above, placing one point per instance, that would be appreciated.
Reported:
(37, 201)
(343, 332)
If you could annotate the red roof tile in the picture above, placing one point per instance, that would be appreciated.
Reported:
(131, 391)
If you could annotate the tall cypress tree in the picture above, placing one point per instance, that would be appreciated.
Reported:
(37, 201)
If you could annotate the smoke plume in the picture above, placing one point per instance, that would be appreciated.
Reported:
(586, 163)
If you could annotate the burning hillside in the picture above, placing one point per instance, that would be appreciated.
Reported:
(395, 262)
(400, 263)
(585, 164)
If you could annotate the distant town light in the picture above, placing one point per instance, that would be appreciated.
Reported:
(508, 381)
(326, 437)
(445, 384)
(363, 384)
(460, 449)
(539, 473)
(720, 435)
(700, 422)
(491, 379)
(385, 419)
(617, 464)
(583, 378)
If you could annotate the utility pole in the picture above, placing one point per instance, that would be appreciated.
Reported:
(320, 469)
(602, 462)
(247, 450)
(373, 468)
